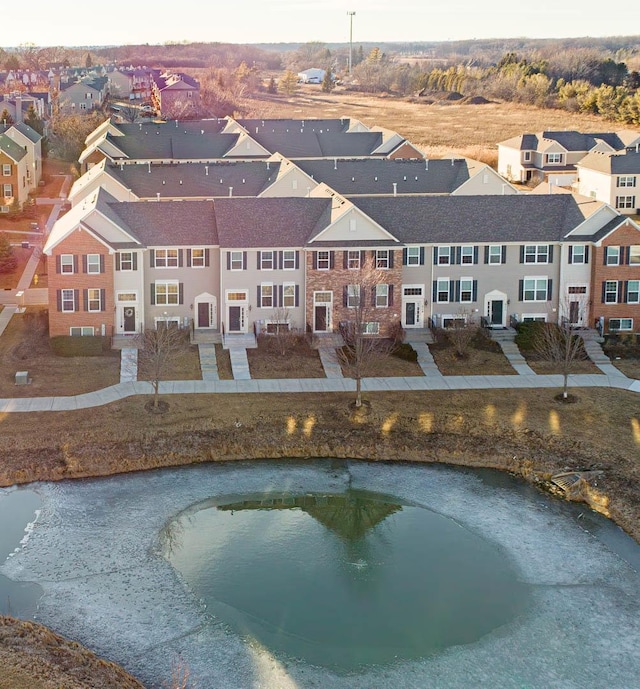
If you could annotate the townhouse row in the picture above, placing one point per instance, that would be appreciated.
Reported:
(233, 265)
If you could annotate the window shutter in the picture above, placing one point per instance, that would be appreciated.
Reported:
(452, 290)
(188, 258)
(153, 293)
(207, 257)
(345, 296)
(504, 253)
(521, 290)
(522, 253)
(549, 290)
(280, 260)
(390, 295)
(58, 264)
(550, 253)
(604, 292)
(486, 254)
(84, 263)
(180, 258)
(275, 296)
(373, 295)
(391, 255)
(421, 255)
(297, 298)
(259, 255)
(620, 291)
(117, 261)
(297, 260)
(228, 260)
(59, 299)
(75, 264)
(363, 258)
(345, 259)
(280, 295)
(180, 293)
(244, 260)
(102, 263)
(404, 257)
(315, 260)
(605, 255)
(475, 255)
(435, 291)
(76, 300)
(458, 255)
(570, 254)
(435, 255)
(103, 300)
(457, 291)
(85, 299)
(332, 258)
(474, 296)
(625, 291)
(152, 258)
(627, 255)
(259, 297)
(586, 254)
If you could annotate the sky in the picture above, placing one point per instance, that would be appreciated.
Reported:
(117, 22)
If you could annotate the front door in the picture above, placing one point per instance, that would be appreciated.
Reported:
(496, 312)
(412, 314)
(236, 319)
(204, 320)
(320, 324)
(129, 319)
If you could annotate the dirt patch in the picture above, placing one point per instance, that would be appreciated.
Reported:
(298, 361)
(483, 357)
(223, 361)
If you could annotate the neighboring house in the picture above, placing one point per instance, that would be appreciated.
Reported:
(175, 95)
(76, 98)
(18, 103)
(133, 83)
(14, 188)
(31, 141)
(553, 156)
(613, 178)
(314, 75)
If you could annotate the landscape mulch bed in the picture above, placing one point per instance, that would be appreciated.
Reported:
(483, 357)
(298, 361)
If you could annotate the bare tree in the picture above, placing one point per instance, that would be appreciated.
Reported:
(461, 333)
(362, 344)
(283, 335)
(157, 350)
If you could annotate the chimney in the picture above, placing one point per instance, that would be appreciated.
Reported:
(395, 188)
(18, 108)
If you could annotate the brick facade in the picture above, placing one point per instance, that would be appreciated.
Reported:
(624, 237)
(80, 244)
(336, 280)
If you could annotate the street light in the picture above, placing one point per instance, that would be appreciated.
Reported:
(350, 15)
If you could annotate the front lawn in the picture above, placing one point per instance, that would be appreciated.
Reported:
(299, 360)
(482, 357)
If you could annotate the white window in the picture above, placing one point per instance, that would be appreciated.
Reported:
(127, 296)
(288, 260)
(266, 295)
(197, 258)
(612, 255)
(236, 262)
(611, 292)
(167, 292)
(6, 170)
(94, 302)
(7, 190)
(534, 289)
(4, 209)
(444, 255)
(66, 263)
(288, 295)
(371, 328)
(68, 300)
(577, 289)
(536, 253)
(83, 106)
(633, 292)
(82, 331)
(442, 291)
(353, 296)
(625, 201)
(554, 158)
(166, 258)
(634, 255)
(578, 253)
(93, 263)
(382, 295)
(466, 289)
(621, 324)
(466, 254)
(323, 260)
(382, 259)
(126, 260)
(495, 254)
(627, 181)
(353, 260)
(413, 255)
(527, 156)
(266, 260)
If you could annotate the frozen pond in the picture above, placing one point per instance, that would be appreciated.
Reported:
(96, 551)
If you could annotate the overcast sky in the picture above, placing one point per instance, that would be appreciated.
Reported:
(70, 22)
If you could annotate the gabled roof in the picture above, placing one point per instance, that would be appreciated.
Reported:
(606, 229)
(612, 163)
(24, 129)
(286, 125)
(374, 176)
(267, 222)
(11, 148)
(569, 140)
(474, 219)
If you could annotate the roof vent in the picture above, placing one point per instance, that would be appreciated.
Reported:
(426, 164)
(163, 182)
(395, 188)
(206, 170)
(230, 191)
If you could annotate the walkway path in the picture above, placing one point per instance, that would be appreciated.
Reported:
(128, 365)
(330, 363)
(425, 359)
(208, 361)
(239, 363)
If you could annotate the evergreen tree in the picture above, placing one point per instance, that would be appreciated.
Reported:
(327, 83)
(272, 87)
(88, 62)
(5, 117)
(289, 83)
(32, 119)
(8, 261)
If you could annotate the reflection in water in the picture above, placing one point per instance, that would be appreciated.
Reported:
(344, 580)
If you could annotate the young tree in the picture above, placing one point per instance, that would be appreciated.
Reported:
(8, 261)
(5, 117)
(289, 83)
(362, 347)
(327, 83)
(88, 62)
(32, 119)
(157, 350)
(272, 87)
(461, 333)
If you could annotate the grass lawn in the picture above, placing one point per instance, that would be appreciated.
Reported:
(10, 280)
(630, 367)
(299, 360)
(484, 357)
(547, 367)
(223, 360)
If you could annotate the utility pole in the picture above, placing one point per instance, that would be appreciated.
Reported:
(350, 15)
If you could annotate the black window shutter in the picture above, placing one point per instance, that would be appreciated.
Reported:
(475, 255)
(627, 255)
(153, 293)
(102, 263)
(550, 253)
(549, 290)
(85, 299)
(486, 254)
(180, 293)
(421, 255)
(76, 300)
(152, 258)
(228, 260)
(75, 264)
(207, 257)
(620, 291)
(404, 257)
(244, 260)
(457, 291)
(458, 259)
(84, 263)
(391, 254)
(363, 258)
(297, 261)
(332, 259)
(390, 295)
(315, 260)
(103, 300)
(345, 295)
(188, 258)
(297, 298)
(452, 290)
(117, 261)
(345, 259)
(435, 255)
(180, 258)
(59, 298)
(280, 260)
(373, 295)
(604, 255)
(474, 296)
(521, 290)
(604, 292)
(435, 290)
(586, 254)
(522, 253)
(259, 297)
(259, 255)
(280, 295)
(625, 291)
(275, 295)
(570, 254)
(504, 253)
